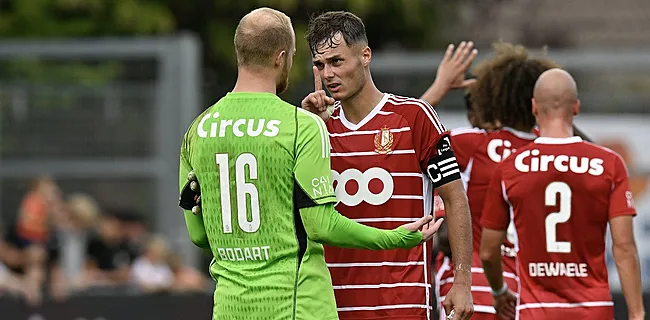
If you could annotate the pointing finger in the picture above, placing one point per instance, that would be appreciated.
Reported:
(318, 85)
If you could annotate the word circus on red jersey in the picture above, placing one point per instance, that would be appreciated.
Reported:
(564, 191)
(378, 171)
(478, 152)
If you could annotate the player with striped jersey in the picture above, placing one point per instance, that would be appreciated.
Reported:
(388, 155)
(561, 193)
(261, 168)
(499, 99)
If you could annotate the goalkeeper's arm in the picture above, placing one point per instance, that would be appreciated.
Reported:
(326, 225)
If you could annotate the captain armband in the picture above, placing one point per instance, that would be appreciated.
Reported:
(443, 168)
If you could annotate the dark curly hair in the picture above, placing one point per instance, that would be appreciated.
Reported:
(504, 86)
(324, 27)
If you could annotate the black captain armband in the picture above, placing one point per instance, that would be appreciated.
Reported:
(443, 168)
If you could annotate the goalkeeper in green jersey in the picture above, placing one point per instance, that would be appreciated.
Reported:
(260, 170)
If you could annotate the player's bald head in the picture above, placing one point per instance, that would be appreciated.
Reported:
(261, 35)
(555, 90)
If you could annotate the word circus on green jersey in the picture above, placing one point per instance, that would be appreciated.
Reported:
(250, 153)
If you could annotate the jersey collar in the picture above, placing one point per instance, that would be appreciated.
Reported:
(366, 119)
(521, 134)
(547, 140)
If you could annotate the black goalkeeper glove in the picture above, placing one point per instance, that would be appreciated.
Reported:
(190, 198)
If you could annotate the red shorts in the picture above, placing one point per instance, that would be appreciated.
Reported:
(481, 295)
(533, 311)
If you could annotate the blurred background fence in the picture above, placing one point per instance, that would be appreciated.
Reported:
(103, 116)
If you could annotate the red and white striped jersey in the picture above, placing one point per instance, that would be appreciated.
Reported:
(377, 169)
(478, 152)
(561, 194)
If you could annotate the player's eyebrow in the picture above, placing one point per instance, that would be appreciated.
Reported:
(328, 59)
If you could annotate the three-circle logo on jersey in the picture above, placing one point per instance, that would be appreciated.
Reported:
(363, 181)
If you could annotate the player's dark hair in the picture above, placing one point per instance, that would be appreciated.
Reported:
(324, 27)
(504, 86)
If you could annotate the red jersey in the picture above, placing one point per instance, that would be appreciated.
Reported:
(478, 152)
(560, 193)
(377, 171)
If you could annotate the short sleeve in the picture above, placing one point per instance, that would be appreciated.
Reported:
(621, 201)
(428, 131)
(496, 210)
(312, 171)
(464, 142)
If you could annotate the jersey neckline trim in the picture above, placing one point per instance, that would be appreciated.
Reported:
(251, 95)
(521, 134)
(547, 140)
(367, 118)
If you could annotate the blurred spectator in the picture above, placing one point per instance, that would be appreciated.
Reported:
(108, 260)
(150, 272)
(186, 278)
(23, 251)
(134, 231)
(40, 205)
(67, 251)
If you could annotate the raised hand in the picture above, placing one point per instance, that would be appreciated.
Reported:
(317, 102)
(454, 65)
(427, 230)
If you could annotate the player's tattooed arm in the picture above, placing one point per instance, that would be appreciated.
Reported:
(444, 173)
(442, 237)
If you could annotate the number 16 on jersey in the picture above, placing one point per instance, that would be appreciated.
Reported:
(243, 188)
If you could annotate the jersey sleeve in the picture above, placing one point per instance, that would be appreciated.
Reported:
(620, 201)
(312, 170)
(496, 210)
(428, 131)
(433, 147)
(324, 224)
(194, 223)
(464, 142)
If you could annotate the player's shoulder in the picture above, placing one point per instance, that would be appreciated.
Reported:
(513, 135)
(412, 109)
(407, 105)
(603, 152)
(309, 122)
(467, 132)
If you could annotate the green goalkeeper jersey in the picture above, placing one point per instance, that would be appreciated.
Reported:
(267, 205)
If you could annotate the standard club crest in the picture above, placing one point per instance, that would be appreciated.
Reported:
(384, 141)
